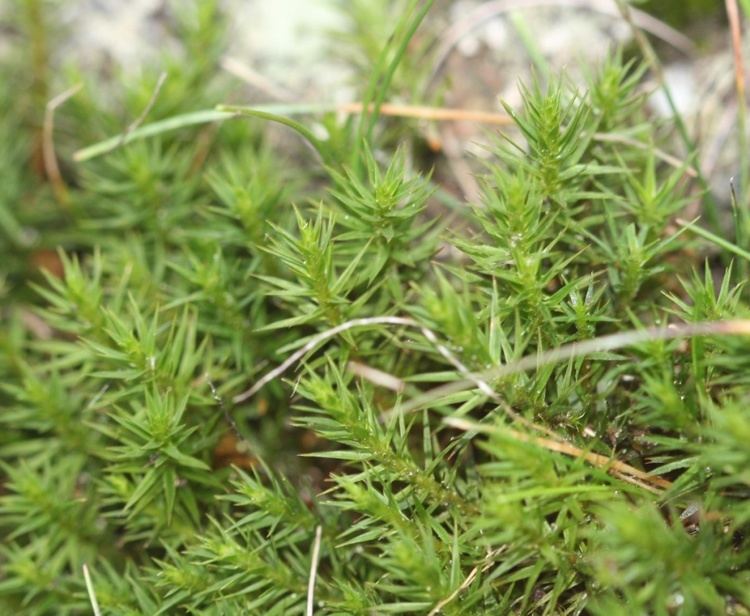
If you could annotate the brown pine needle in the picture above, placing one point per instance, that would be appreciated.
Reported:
(437, 114)
(421, 112)
(616, 467)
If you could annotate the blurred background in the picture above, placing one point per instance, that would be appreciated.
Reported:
(474, 53)
(194, 54)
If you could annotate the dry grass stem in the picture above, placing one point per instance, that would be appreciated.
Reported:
(435, 114)
(146, 110)
(313, 571)
(616, 467)
(51, 167)
(462, 369)
(469, 580)
(245, 73)
(454, 153)
(554, 442)
(376, 377)
(661, 155)
(90, 590)
(314, 342)
(580, 349)
(733, 14)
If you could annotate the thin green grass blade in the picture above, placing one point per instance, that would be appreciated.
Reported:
(709, 203)
(716, 239)
(528, 40)
(255, 112)
(274, 112)
(194, 118)
(380, 84)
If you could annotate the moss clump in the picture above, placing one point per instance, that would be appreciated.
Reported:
(441, 473)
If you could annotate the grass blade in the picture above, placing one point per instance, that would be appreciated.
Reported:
(715, 239)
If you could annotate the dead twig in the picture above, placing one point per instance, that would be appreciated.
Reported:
(360, 368)
(553, 441)
(604, 343)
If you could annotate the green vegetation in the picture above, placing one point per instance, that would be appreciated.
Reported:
(154, 283)
(680, 13)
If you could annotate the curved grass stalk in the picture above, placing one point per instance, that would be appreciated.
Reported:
(737, 327)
